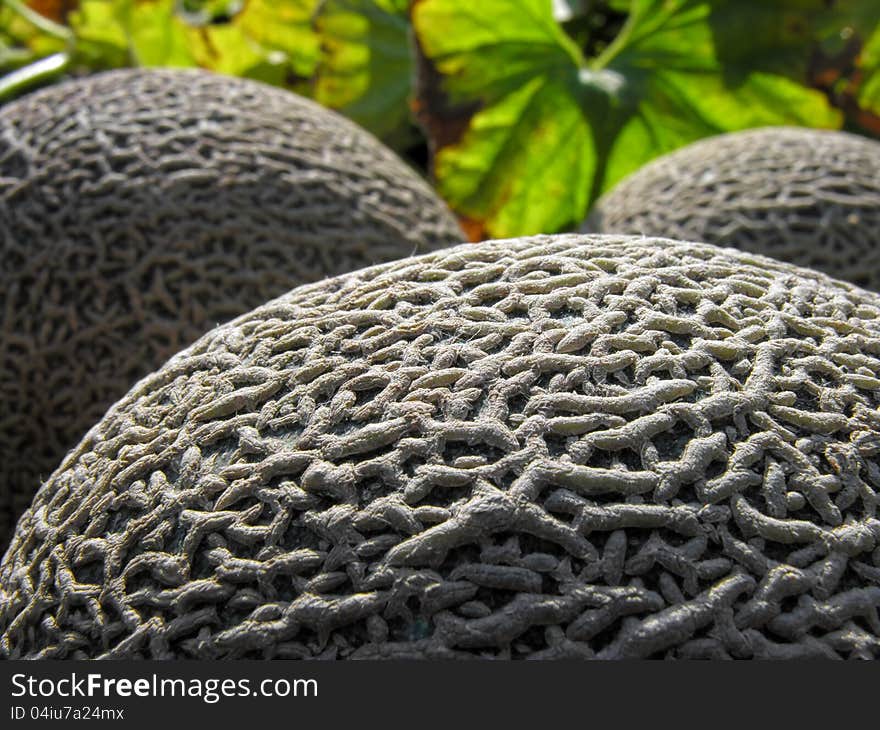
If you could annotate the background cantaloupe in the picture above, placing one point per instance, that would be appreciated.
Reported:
(574, 446)
(809, 197)
(140, 208)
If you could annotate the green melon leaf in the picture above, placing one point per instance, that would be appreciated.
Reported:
(528, 132)
(526, 157)
(869, 91)
(101, 38)
(157, 36)
(365, 69)
(702, 68)
(283, 33)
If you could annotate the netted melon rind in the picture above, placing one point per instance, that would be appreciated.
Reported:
(141, 208)
(572, 446)
(805, 196)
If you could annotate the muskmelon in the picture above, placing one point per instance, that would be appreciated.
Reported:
(572, 446)
(141, 208)
(809, 197)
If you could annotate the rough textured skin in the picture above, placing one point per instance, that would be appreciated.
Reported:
(809, 197)
(139, 209)
(563, 446)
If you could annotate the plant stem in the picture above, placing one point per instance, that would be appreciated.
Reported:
(14, 83)
(50, 27)
(616, 46)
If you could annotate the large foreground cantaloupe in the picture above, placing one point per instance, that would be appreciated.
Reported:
(568, 446)
(808, 197)
(140, 208)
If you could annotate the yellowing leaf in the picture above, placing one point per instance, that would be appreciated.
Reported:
(261, 38)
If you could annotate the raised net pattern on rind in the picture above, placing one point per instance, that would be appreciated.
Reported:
(572, 446)
(808, 197)
(141, 208)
